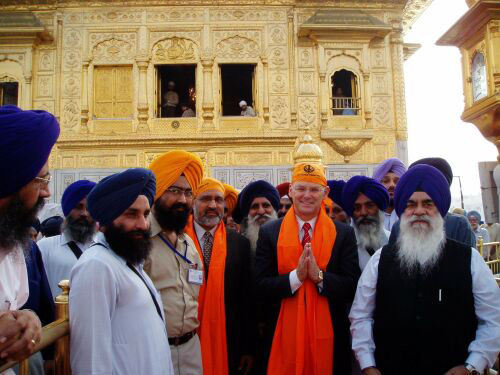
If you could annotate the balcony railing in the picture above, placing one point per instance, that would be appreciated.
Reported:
(56, 333)
(344, 106)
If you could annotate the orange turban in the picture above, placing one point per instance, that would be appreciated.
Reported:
(308, 172)
(209, 184)
(231, 197)
(328, 202)
(171, 165)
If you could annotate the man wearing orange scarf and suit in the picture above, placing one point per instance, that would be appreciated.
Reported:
(174, 264)
(226, 311)
(307, 270)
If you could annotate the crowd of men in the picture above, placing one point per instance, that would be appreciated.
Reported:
(172, 272)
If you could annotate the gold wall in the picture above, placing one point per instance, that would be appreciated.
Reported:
(294, 61)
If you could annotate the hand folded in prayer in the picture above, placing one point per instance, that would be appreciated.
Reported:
(246, 364)
(459, 370)
(371, 371)
(312, 266)
(303, 263)
(19, 332)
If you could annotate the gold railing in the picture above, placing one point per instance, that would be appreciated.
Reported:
(56, 332)
(481, 247)
(339, 104)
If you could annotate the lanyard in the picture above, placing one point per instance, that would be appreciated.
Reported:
(183, 257)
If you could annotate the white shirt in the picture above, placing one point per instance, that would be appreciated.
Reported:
(115, 327)
(200, 232)
(363, 255)
(295, 283)
(248, 112)
(171, 99)
(390, 219)
(14, 288)
(58, 258)
(482, 351)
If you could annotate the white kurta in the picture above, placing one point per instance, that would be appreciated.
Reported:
(390, 220)
(14, 288)
(115, 327)
(58, 259)
(482, 351)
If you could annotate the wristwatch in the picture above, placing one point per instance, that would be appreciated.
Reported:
(472, 370)
(320, 275)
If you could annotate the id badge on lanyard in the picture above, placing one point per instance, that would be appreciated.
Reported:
(195, 276)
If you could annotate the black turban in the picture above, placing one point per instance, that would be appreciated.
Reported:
(439, 163)
(335, 194)
(114, 194)
(256, 189)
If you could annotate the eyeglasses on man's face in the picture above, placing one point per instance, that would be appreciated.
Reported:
(176, 191)
(45, 180)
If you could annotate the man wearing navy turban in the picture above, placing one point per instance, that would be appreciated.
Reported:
(388, 174)
(427, 304)
(335, 194)
(61, 252)
(365, 201)
(116, 314)
(257, 204)
(26, 139)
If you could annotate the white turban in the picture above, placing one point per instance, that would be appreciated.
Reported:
(242, 103)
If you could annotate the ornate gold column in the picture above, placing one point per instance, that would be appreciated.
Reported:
(324, 88)
(84, 118)
(368, 96)
(28, 93)
(265, 65)
(142, 102)
(291, 68)
(207, 61)
(398, 82)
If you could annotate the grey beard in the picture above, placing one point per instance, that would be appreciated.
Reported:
(253, 227)
(80, 230)
(419, 246)
(371, 235)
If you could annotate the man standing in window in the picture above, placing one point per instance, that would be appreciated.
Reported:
(170, 101)
(174, 264)
(246, 110)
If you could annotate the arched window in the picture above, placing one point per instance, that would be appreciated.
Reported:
(9, 91)
(345, 93)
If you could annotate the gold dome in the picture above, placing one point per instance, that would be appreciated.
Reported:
(306, 151)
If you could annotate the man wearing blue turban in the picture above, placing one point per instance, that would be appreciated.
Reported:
(116, 314)
(335, 194)
(61, 252)
(388, 174)
(365, 201)
(426, 304)
(26, 139)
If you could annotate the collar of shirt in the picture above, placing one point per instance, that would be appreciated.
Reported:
(156, 230)
(66, 238)
(301, 223)
(200, 231)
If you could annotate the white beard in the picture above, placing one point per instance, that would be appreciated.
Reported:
(253, 227)
(420, 246)
(371, 235)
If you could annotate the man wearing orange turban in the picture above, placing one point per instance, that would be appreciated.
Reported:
(227, 319)
(307, 269)
(231, 198)
(174, 265)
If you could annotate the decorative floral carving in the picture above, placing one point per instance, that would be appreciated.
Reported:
(71, 86)
(379, 84)
(113, 16)
(72, 60)
(378, 58)
(165, 15)
(174, 49)
(277, 34)
(277, 56)
(45, 61)
(237, 47)
(243, 178)
(306, 83)
(72, 38)
(44, 86)
(113, 50)
(347, 147)
(278, 84)
(306, 57)
(382, 112)
(279, 112)
(71, 114)
(238, 15)
(307, 110)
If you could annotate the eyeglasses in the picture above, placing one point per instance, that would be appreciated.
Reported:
(188, 193)
(44, 181)
(313, 190)
(208, 200)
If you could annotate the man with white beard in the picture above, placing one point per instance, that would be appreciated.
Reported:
(427, 304)
(365, 200)
(258, 203)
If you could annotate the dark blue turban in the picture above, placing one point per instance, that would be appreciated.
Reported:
(51, 226)
(367, 186)
(113, 195)
(26, 138)
(256, 189)
(425, 178)
(74, 193)
(335, 193)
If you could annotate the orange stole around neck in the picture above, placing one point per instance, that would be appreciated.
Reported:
(211, 307)
(303, 338)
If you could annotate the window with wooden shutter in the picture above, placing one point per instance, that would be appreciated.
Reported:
(113, 92)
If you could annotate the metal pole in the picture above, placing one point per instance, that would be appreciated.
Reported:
(461, 193)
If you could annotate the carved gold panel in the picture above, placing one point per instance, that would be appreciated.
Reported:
(113, 91)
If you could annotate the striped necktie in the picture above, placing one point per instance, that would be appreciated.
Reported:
(307, 238)
(208, 242)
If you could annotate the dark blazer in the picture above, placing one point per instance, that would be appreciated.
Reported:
(241, 325)
(339, 286)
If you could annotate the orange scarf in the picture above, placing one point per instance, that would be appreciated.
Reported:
(211, 307)
(303, 339)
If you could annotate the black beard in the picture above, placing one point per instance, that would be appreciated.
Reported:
(16, 221)
(80, 230)
(391, 202)
(124, 243)
(172, 218)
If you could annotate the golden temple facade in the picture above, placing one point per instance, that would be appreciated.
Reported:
(131, 79)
